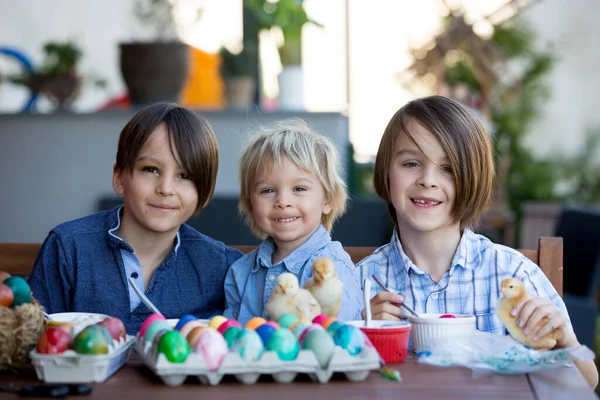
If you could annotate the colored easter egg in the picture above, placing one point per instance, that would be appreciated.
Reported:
(231, 334)
(248, 345)
(154, 328)
(216, 321)
(333, 327)
(325, 324)
(308, 329)
(7, 297)
(265, 331)
(227, 324)
(148, 321)
(4, 276)
(159, 334)
(299, 328)
(115, 327)
(53, 341)
(104, 332)
(184, 320)
(300, 321)
(194, 334)
(20, 289)
(447, 316)
(349, 337)
(320, 318)
(273, 324)
(284, 343)
(286, 320)
(187, 328)
(90, 341)
(213, 347)
(174, 347)
(322, 344)
(255, 323)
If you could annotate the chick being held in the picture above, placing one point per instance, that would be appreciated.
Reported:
(289, 297)
(325, 286)
(514, 293)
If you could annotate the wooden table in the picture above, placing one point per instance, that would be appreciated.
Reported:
(135, 381)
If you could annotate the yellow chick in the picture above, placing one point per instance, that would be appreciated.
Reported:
(514, 292)
(289, 297)
(326, 287)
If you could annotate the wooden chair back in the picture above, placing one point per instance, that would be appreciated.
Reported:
(18, 258)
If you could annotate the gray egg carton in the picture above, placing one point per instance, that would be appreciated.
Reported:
(355, 368)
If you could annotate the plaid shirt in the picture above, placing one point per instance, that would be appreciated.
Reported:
(471, 286)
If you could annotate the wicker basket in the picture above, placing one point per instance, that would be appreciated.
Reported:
(20, 329)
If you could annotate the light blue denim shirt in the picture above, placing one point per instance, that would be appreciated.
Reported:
(251, 280)
(471, 285)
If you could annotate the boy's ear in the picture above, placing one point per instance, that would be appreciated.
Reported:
(327, 207)
(117, 180)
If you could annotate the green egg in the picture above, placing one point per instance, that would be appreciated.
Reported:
(231, 334)
(286, 320)
(321, 343)
(20, 289)
(300, 327)
(90, 341)
(285, 344)
(333, 327)
(174, 347)
(154, 328)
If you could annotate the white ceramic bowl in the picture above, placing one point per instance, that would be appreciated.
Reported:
(430, 326)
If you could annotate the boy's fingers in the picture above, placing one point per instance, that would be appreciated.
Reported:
(382, 297)
(387, 309)
(385, 316)
(553, 323)
(535, 320)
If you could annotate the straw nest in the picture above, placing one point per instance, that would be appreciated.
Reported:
(20, 329)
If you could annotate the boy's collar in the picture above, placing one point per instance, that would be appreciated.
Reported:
(459, 259)
(114, 220)
(297, 258)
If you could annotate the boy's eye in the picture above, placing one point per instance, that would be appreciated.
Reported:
(150, 169)
(447, 168)
(300, 189)
(183, 175)
(267, 191)
(411, 164)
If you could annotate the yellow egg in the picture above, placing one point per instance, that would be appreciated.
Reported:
(255, 323)
(216, 321)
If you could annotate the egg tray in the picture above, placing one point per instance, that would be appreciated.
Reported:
(355, 368)
(72, 367)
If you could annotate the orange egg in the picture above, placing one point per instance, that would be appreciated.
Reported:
(325, 324)
(187, 328)
(255, 323)
(292, 326)
(194, 334)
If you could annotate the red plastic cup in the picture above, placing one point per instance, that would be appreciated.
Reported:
(390, 339)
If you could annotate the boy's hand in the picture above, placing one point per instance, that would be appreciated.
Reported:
(539, 316)
(386, 305)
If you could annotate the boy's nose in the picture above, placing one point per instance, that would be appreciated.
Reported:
(282, 201)
(165, 186)
(427, 179)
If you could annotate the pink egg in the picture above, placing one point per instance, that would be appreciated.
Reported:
(447, 316)
(273, 324)
(230, 322)
(187, 328)
(319, 319)
(308, 329)
(213, 348)
(148, 321)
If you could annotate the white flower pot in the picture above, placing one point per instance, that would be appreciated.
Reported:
(291, 88)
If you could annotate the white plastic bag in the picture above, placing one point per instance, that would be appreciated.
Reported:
(485, 353)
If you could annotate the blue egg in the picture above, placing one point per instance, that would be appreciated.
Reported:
(184, 320)
(350, 338)
(265, 331)
(248, 345)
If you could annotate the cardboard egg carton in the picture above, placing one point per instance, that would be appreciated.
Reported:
(72, 367)
(355, 368)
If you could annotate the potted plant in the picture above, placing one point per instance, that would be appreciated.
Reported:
(290, 17)
(57, 77)
(155, 70)
(238, 71)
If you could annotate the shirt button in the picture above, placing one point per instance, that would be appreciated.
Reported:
(271, 278)
(434, 295)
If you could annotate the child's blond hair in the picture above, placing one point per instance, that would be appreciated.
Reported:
(306, 149)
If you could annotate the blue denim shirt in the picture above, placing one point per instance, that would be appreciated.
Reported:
(80, 269)
(251, 280)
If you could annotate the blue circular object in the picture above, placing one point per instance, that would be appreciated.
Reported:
(27, 66)
(350, 338)
(265, 331)
(184, 320)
